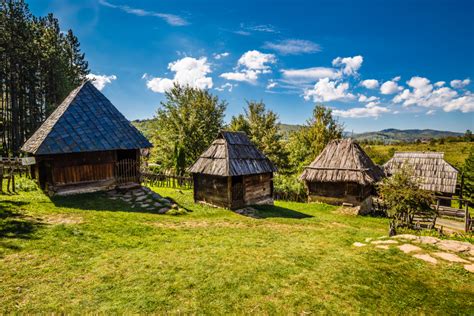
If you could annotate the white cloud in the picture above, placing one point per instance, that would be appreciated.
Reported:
(390, 87)
(221, 55)
(370, 110)
(423, 94)
(431, 112)
(171, 19)
(293, 47)
(271, 84)
(311, 74)
(227, 86)
(350, 64)
(188, 71)
(325, 90)
(100, 81)
(439, 83)
(370, 83)
(363, 98)
(250, 65)
(459, 84)
(266, 28)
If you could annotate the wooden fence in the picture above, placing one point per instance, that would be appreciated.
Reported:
(457, 213)
(168, 181)
(9, 168)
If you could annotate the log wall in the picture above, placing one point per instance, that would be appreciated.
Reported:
(337, 193)
(211, 189)
(257, 188)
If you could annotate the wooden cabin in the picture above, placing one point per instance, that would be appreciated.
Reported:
(430, 169)
(342, 173)
(233, 173)
(85, 145)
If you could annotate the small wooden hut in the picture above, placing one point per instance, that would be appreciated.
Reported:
(342, 173)
(430, 168)
(86, 144)
(233, 173)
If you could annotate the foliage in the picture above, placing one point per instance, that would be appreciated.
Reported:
(25, 184)
(185, 125)
(305, 144)
(403, 196)
(289, 188)
(39, 66)
(262, 127)
(468, 173)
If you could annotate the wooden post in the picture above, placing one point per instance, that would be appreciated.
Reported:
(461, 189)
(229, 191)
(467, 219)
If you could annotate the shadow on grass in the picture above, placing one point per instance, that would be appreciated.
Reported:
(15, 225)
(101, 202)
(269, 211)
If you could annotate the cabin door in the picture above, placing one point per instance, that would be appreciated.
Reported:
(45, 172)
(237, 191)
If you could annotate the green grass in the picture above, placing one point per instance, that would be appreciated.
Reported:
(455, 153)
(88, 253)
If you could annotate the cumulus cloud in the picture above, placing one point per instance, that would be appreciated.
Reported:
(250, 65)
(188, 71)
(311, 74)
(293, 46)
(227, 86)
(424, 94)
(100, 81)
(326, 90)
(370, 84)
(459, 84)
(271, 84)
(390, 87)
(363, 98)
(171, 19)
(350, 64)
(440, 83)
(221, 55)
(370, 110)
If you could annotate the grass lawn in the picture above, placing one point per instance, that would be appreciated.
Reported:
(89, 253)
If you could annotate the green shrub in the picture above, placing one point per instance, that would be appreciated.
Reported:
(25, 184)
(289, 188)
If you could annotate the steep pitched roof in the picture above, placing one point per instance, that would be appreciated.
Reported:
(342, 160)
(232, 154)
(430, 168)
(85, 121)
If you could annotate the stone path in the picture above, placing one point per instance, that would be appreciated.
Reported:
(144, 198)
(446, 250)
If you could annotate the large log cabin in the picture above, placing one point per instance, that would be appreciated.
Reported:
(233, 173)
(85, 145)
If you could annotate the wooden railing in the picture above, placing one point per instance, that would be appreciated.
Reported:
(461, 213)
(165, 180)
(127, 171)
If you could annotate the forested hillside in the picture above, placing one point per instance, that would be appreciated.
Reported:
(39, 65)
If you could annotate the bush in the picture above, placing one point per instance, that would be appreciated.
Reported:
(289, 188)
(25, 184)
(403, 197)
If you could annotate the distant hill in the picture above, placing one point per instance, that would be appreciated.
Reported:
(392, 135)
(389, 135)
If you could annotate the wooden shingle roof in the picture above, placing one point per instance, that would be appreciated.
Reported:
(85, 121)
(430, 168)
(342, 160)
(232, 154)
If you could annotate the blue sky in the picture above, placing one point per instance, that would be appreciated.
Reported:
(378, 64)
